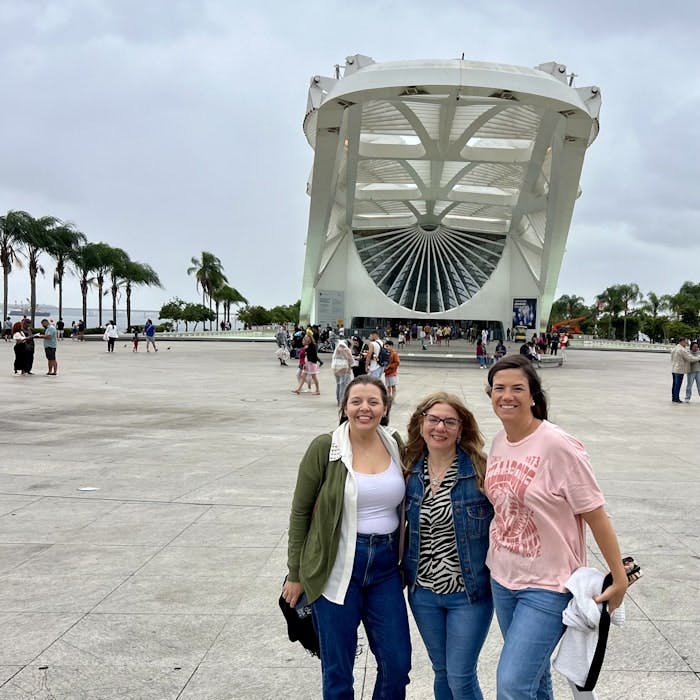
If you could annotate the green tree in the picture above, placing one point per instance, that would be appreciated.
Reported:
(653, 322)
(173, 310)
(119, 259)
(566, 307)
(63, 243)
(610, 302)
(86, 260)
(194, 313)
(228, 295)
(209, 273)
(255, 316)
(285, 313)
(11, 229)
(689, 303)
(629, 296)
(34, 239)
(136, 274)
(106, 257)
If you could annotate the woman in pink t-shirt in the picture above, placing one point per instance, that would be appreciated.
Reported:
(543, 491)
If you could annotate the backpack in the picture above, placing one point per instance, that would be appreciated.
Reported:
(384, 356)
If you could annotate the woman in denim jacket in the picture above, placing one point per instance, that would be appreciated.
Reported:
(448, 519)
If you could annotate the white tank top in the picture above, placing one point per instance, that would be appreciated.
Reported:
(378, 498)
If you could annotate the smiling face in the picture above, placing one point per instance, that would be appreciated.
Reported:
(365, 407)
(438, 436)
(511, 398)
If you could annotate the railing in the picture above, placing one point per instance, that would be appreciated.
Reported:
(252, 335)
(633, 345)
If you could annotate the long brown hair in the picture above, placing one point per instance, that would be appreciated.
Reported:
(470, 438)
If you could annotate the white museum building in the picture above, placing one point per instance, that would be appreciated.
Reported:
(441, 191)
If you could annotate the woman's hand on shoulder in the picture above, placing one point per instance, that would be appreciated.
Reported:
(292, 591)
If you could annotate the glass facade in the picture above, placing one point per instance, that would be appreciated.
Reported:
(432, 269)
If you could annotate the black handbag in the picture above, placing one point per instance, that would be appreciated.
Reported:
(300, 624)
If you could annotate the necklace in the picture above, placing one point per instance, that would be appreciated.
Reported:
(437, 475)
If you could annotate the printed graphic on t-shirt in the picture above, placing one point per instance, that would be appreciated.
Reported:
(513, 527)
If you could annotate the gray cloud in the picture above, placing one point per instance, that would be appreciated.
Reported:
(174, 126)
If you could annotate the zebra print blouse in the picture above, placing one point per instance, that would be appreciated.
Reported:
(439, 569)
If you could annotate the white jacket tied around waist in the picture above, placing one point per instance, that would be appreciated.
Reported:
(582, 618)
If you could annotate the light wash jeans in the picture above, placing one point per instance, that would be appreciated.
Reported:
(690, 379)
(453, 631)
(341, 384)
(531, 625)
(376, 373)
(375, 598)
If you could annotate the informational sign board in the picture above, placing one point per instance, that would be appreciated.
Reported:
(525, 313)
(330, 307)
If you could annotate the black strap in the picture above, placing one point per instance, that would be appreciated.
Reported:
(599, 654)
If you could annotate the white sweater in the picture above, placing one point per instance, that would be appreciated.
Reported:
(582, 618)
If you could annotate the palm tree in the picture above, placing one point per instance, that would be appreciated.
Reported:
(136, 273)
(64, 241)
(106, 257)
(34, 237)
(209, 273)
(610, 300)
(118, 266)
(629, 295)
(11, 226)
(568, 306)
(228, 295)
(85, 259)
(651, 309)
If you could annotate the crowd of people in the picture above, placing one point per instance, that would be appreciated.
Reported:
(467, 533)
(351, 357)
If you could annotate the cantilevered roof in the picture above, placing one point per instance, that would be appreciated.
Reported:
(433, 166)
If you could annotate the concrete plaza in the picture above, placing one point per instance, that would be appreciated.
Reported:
(163, 582)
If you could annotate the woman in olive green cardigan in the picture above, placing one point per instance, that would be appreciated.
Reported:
(343, 544)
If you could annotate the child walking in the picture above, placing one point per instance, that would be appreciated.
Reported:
(135, 339)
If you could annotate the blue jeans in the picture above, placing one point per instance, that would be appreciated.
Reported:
(692, 378)
(375, 598)
(341, 384)
(376, 373)
(482, 360)
(676, 386)
(453, 631)
(530, 622)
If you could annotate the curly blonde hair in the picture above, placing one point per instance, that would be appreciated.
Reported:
(470, 438)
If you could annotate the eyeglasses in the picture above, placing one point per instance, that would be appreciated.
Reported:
(449, 423)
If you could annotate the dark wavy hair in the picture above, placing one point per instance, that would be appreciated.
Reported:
(524, 364)
(470, 438)
(367, 381)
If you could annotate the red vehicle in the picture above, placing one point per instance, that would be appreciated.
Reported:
(569, 325)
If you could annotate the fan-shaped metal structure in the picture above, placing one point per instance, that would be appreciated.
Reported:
(431, 270)
(442, 187)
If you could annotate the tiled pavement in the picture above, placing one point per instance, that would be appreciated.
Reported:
(163, 582)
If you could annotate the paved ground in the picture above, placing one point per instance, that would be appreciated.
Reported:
(163, 582)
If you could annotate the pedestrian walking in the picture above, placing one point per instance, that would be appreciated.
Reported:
(150, 332)
(391, 371)
(110, 335)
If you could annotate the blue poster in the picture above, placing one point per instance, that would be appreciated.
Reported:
(525, 313)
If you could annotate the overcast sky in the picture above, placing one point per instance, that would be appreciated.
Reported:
(168, 127)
